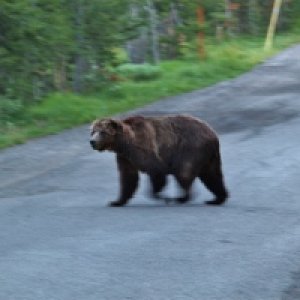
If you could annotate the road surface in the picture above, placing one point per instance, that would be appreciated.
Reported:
(59, 241)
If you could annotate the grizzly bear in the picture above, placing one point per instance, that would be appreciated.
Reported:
(179, 145)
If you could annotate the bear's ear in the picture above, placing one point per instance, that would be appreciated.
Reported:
(115, 125)
(93, 125)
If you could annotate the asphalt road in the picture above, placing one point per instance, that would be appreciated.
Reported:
(59, 241)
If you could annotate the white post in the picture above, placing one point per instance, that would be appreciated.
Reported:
(273, 23)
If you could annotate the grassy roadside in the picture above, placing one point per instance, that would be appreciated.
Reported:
(60, 111)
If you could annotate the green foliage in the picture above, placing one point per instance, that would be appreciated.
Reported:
(64, 110)
(115, 91)
(139, 72)
(30, 46)
(10, 110)
(58, 45)
(230, 57)
(53, 45)
(48, 47)
(120, 56)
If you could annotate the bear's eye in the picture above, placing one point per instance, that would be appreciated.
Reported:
(102, 132)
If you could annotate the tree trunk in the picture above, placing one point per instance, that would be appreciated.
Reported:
(60, 75)
(154, 32)
(79, 38)
(253, 15)
(228, 16)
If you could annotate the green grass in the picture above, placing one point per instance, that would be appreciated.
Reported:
(60, 111)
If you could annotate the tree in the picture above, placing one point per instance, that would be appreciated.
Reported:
(48, 45)
(30, 47)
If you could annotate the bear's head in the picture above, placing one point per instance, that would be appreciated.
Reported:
(103, 134)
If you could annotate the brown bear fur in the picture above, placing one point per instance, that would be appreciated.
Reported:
(181, 145)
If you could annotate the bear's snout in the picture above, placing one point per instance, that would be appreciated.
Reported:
(93, 144)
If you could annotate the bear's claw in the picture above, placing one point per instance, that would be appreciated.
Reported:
(217, 201)
(115, 204)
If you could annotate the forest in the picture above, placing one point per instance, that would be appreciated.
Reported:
(68, 49)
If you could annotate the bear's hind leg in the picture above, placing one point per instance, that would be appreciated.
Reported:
(215, 184)
(185, 182)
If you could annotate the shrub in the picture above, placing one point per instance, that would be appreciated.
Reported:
(188, 51)
(10, 110)
(115, 91)
(120, 56)
(138, 72)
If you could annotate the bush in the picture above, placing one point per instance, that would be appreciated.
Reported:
(191, 73)
(234, 57)
(115, 91)
(120, 56)
(10, 110)
(188, 51)
(139, 72)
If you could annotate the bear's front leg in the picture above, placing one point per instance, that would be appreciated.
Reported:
(158, 182)
(128, 181)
